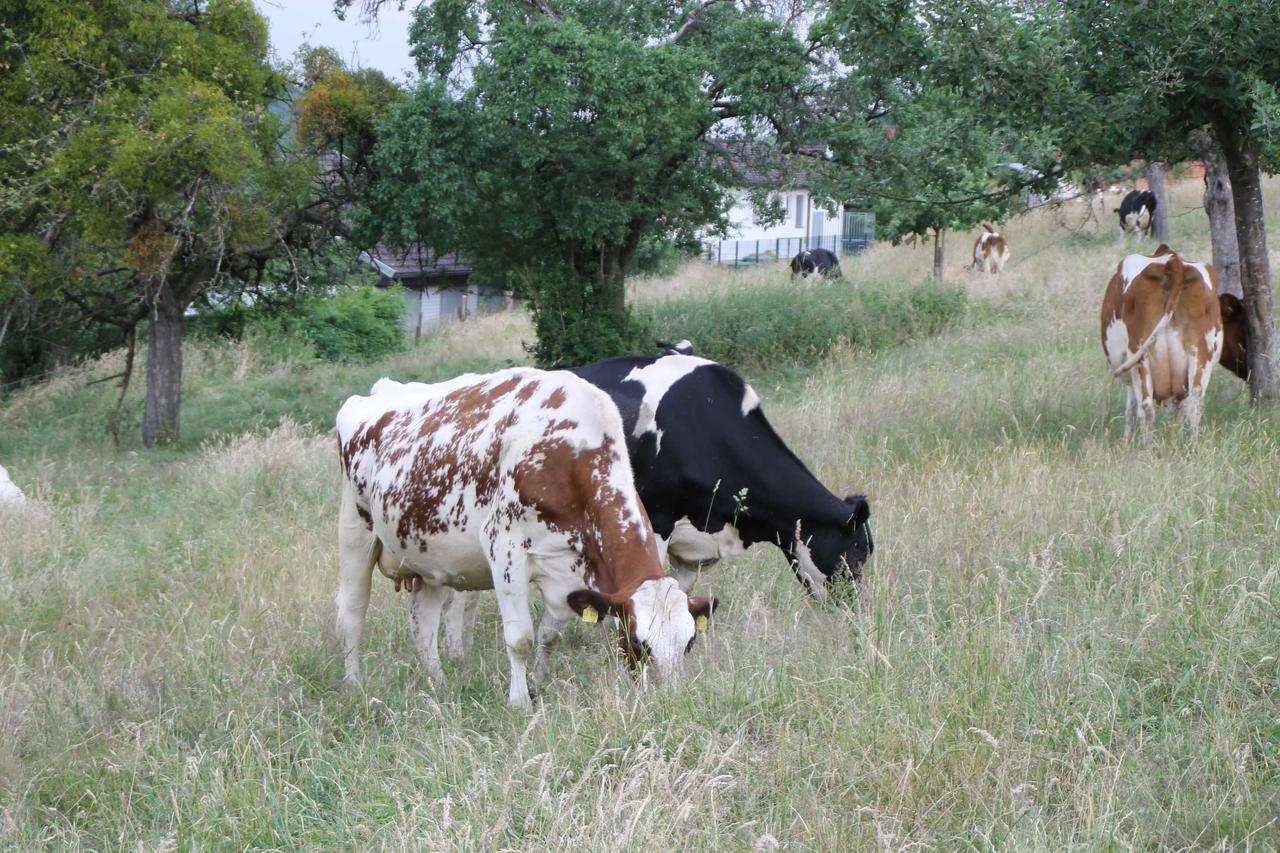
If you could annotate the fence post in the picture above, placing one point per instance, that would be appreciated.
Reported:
(735, 254)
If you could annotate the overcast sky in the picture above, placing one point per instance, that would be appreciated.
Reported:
(384, 46)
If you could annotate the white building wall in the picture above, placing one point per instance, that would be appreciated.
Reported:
(803, 218)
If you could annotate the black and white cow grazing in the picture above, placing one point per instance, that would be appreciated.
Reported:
(1136, 213)
(821, 261)
(715, 477)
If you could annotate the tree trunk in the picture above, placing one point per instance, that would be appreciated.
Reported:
(937, 254)
(1242, 157)
(1155, 182)
(164, 370)
(1220, 206)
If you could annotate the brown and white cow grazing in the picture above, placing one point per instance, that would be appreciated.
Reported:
(990, 250)
(496, 482)
(1162, 334)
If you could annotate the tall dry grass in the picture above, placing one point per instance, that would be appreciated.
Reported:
(1063, 641)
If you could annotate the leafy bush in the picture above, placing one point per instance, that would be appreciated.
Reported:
(656, 255)
(789, 323)
(356, 324)
(576, 324)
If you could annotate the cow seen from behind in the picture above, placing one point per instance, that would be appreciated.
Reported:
(1162, 335)
(990, 251)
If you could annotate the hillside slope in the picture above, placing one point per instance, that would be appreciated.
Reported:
(1062, 639)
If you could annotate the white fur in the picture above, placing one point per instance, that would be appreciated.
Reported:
(9, 492)
(657, 379)
(663, 622)
(1199, 267)
(1133, 265)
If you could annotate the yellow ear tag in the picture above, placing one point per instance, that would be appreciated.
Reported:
(701, 623)
(589, 615)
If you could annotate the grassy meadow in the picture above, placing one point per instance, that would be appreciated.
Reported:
(1063, 642)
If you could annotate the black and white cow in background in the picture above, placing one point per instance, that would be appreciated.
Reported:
(1136, 213)
(821, 261)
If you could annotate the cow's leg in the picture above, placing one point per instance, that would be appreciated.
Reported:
(1193, 406)
(550, 629)
(425, 604)
(1146, 401)
(358, 552)
(509, 565)
(460, 624)
(1130, 407)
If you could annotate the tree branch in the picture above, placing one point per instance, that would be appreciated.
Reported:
(691, 22)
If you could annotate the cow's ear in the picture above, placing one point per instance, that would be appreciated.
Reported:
(861, 511)
(1162, 249)
(700, 608)
(590, 605)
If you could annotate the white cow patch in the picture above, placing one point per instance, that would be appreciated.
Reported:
(817, 581)
(750, 401)
(664, 624)
(1133, 265)
(1117, 342)
(1199, 267)
(657, 379)
(9, 492)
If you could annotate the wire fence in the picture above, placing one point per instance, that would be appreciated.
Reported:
(859, 235)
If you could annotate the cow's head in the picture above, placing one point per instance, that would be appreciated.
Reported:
(1234, 355)
(831, 554)
(657, 622)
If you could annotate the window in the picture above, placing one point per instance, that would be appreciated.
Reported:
(799, 210)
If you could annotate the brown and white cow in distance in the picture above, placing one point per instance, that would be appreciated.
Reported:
(990, 251)
(496, 482)
(1162, 334)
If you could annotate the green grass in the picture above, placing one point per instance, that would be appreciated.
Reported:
(1064, 641)
(799, 323)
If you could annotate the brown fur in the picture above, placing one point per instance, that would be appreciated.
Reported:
(1234, 328)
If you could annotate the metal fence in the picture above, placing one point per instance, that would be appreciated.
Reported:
(859, 234)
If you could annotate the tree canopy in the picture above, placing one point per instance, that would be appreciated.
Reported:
(545, 144)
(147, 169)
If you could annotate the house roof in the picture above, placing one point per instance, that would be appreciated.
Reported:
(414, 262)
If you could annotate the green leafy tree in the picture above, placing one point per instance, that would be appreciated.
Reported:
(904, 134)
(148, 170)
(547, 140)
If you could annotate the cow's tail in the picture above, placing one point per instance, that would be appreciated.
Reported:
(1176, 272)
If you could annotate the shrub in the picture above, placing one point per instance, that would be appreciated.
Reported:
(355, 324)
(789, 323)
(656, 255)
(576, 324)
